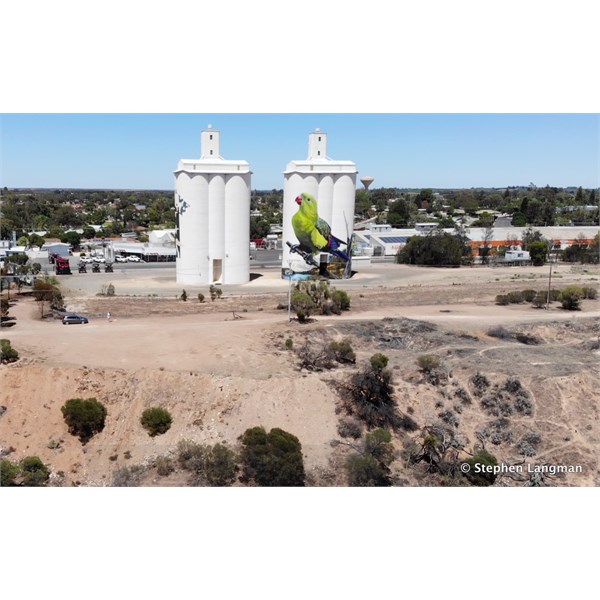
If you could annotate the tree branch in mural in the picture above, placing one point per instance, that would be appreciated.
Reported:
(180, 207)
(314, 233)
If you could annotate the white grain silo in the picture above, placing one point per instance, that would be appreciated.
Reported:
(212, 204)
(331, 182)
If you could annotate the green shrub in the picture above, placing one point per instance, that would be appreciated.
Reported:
(528, 295)
(555, 295)
(156, 421)
(502, 299)
(379, 361)
(183, 296)
(215, 466)
(341, 299)
(272, 459)
(34, 472)
(302, 304)
(589, 293)
(7, 353)
(84, 417)
(289, 344)
(342, 352)
(366, 471)
(9, 471)
(200, 297)
(570, 297)
(515, 297)
(428, 362)
(479, 475)
(110, 290)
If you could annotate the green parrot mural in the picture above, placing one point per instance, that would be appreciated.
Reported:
(313, 233)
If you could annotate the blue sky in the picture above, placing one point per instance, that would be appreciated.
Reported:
(399, 150)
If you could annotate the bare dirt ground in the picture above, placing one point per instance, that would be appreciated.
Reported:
(221, 367)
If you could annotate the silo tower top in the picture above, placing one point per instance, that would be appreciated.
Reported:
(317, 145)
(209, 143)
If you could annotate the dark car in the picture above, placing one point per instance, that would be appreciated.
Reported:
(72, 319)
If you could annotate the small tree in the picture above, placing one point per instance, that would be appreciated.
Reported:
(538, 252)
(272, 459)
(183, 296)
(156, 421)
(84, 417)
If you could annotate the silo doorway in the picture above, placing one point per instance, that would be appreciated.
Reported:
(217, 270)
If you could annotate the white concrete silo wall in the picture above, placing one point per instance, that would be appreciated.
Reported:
(216, 218)
(344, 198)
(325, 197)
(236, 266)
(192, 200)
(294, 184)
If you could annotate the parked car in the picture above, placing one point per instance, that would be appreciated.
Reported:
(73, 319)
(134, 259)
(121, 258)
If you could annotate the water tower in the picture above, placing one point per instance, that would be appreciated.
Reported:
(367, 181)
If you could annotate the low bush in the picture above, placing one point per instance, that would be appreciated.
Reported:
(589, 293)
(480, 476)
(528, 295)
(7, 353)
(215, 466)
(502, 299)
(379, 360)
(156, 421)
(515, 297)
(570, 297)
(34, 472)
(480, 382)
(500, 332)
(428, 362)
(9, 471)
(348, 427)
(342, 352)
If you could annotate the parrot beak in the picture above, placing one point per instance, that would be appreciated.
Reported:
(298, 200)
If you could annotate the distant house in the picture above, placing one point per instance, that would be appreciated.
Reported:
(59, 248)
